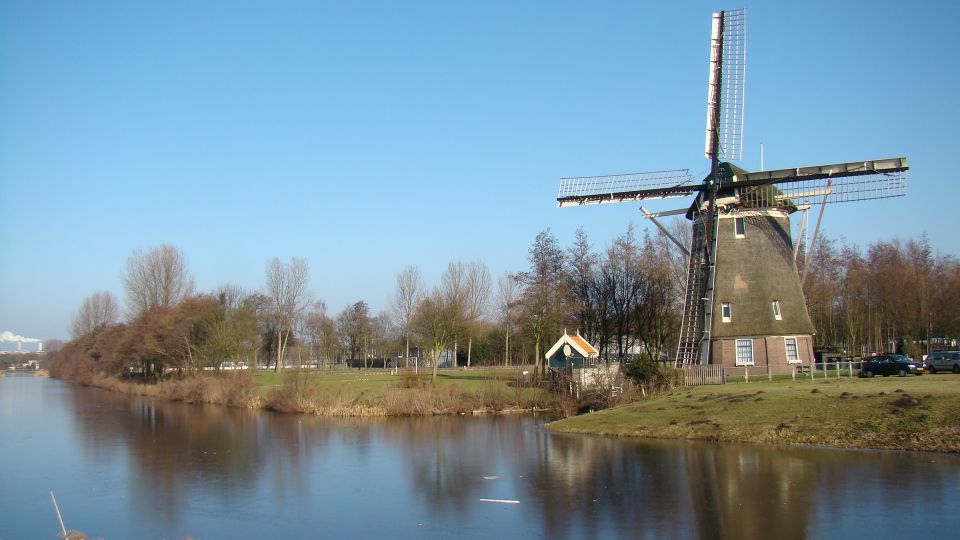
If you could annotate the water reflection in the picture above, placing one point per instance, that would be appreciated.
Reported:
(212, 472)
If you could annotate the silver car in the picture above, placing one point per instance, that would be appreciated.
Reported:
(943, 361)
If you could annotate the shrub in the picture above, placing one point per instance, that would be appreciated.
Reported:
(650, 376)
(293, 394)
(566, 405)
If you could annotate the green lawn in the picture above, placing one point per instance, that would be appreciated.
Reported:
(915, 413)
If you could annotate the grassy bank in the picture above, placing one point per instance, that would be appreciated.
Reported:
(362, 393)
(914, 413)
(348, 393)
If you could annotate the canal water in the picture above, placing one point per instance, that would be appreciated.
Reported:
(124, 467)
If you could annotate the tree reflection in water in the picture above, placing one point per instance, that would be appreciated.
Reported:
(203, 469)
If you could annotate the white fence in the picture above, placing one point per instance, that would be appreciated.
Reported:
(713, 374)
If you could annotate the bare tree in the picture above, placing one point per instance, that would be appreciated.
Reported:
(434, 321)
(545, 299)
(287, 290)
(454, 288)
(508, 301)
(353, 328)
(231, 330)
(157, 277)
(582, 266)
(406, 298)
(98, 309)
(382, 336)
(681, 230)
(477, 298)
(321, 331)
(658, 316)
(624, 282)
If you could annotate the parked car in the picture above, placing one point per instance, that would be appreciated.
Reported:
(943, 361)
(890, 364)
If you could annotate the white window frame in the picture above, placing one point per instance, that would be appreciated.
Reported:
(777, 313)
(726, 312)
(737, 344)
(742, 224)
(796, 349)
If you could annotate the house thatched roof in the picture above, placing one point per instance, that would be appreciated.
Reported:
(754, 271)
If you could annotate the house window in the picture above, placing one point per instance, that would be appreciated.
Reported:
(776, 310)
(793, 357)
(739, 227)
(725, 311)
(744, 352)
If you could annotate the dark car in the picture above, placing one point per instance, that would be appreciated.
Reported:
(890, 364)
(943, 361)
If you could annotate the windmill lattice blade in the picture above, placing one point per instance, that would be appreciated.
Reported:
(846, 188)
(733, 84)
(839, 182)
(580, 190)
(728, 69)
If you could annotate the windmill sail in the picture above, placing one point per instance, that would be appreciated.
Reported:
(726, 85)
(580, 190)
(823, 184)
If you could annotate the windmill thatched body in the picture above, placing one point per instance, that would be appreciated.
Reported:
(744, 301)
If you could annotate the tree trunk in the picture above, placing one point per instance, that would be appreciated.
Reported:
(506, 350)
(276, 368)
(469, 349)
(536, 361)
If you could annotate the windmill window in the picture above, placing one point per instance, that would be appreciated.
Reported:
(793, 356)
(725, 311)
(744, 352)
(739, 227)
(776, 310)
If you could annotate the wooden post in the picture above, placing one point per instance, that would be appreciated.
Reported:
(769, 373)
(793, 369)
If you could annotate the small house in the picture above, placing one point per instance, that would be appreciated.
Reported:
(571, 351)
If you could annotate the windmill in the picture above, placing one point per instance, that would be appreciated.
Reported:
(741, 254)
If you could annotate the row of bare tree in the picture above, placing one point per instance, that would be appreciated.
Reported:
(168, 327)
(897, 296)
(625, 299)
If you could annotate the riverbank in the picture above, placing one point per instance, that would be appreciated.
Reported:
(913, 413)
(347, 393)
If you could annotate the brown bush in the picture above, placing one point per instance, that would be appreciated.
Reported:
(408, 402)
(295, 393)
(495, 398)
(566, 405)
(238, 389)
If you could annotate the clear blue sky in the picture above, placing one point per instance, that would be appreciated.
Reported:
(367, 136)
